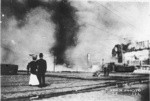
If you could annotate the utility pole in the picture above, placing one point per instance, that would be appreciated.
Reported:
(149, 52)
(54, 63)
(89, 59)
(102, 63)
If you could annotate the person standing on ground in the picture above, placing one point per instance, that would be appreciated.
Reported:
(41, 70)
(105, 70)
(32, 68)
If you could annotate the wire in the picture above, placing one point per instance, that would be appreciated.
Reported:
(104, 30)
(120, 17)
(117, 15)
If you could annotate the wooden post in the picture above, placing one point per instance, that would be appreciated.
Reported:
(149, 52)
(89, 59)
(54, 63)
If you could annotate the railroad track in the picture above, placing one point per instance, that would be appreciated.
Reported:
(114, 81)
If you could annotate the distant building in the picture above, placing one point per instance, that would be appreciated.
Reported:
(139, 55)
(132, 56)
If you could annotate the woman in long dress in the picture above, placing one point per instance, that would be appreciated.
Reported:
(32, 68)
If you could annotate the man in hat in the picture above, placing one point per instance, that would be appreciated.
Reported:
(41, 70)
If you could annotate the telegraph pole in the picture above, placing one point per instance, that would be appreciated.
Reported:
(149, 52)
(89, 59)
(54, 63)
(102, 63)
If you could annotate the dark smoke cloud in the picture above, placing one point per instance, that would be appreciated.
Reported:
(66, 30)
(34, 37)
(19, 8)
(63, 15)
(32, 26)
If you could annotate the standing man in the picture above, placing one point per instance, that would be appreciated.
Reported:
(41, 70)
(105, 69)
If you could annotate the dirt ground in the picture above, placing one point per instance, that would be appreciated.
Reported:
(132, 93)
(71, 86)
(93, 96)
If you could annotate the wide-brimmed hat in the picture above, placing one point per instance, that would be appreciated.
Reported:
(34, 56)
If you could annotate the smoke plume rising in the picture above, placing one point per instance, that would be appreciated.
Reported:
(34, 37)
(66, 30)
(34, 26)
(105, 24)
(70, 29)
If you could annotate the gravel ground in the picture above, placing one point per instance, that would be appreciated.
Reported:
(15, 87)
(108, 94)
(93, 96)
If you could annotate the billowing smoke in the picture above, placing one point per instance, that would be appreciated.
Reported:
(34, 26)
(18, 9)
(70, 29)
(66, 30)
(105, 24)
(34, 37)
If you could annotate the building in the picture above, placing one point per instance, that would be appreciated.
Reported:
(138, 55)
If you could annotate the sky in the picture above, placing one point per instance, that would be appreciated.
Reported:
(69, 30)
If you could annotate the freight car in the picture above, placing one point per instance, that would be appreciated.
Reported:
(9, 69)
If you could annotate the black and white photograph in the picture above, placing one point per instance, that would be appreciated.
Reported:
(75, 50)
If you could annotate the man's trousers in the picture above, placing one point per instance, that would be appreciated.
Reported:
(41, 78)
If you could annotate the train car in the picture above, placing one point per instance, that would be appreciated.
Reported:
(124, 68)
(9, 69)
